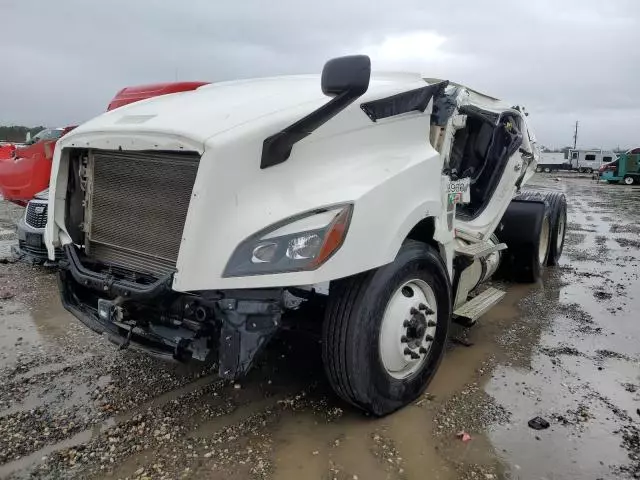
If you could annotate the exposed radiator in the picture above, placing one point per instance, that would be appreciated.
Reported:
(137, 206)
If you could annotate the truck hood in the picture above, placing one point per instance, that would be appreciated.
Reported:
(216, 108)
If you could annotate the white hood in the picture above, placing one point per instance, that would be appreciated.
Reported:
(216, 108)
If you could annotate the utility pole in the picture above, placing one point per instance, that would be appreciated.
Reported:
(575, 136)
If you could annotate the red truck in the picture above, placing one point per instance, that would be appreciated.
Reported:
(6, 151)
(26, 170)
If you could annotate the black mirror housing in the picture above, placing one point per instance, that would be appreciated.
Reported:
(350, 74)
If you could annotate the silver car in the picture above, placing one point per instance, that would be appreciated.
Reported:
(31, 228)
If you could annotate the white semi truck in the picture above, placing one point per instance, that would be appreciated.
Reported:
(196, 225)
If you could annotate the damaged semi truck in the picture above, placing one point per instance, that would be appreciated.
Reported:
(196, 225)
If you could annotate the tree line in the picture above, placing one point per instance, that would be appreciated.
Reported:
(17, 133)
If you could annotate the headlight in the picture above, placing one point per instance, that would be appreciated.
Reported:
(299, 243)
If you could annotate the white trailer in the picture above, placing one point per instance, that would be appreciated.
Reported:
(590, 160)
(195, 225)
(583, 161)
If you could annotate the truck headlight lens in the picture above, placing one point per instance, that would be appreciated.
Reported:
(304, 247)
(300, 243)
(264, 252)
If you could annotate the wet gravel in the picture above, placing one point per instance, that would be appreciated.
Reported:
(566, 349)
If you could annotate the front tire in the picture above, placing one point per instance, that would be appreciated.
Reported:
(381, 344)
(629, 180)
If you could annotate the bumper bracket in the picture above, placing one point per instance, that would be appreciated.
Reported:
(246, 327)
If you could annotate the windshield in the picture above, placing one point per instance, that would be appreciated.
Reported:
(47, 134)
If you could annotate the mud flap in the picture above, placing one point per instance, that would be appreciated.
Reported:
(247, 326)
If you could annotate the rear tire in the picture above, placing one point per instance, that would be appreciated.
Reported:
(528, 248)
(557, 203)
(629, 180)
(538, 169)
(364, 361)
(547, 170)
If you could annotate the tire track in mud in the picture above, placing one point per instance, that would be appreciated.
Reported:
(581, 326)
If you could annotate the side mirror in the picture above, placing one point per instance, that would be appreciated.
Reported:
(344, 79)
(350, 74)
(28, 139)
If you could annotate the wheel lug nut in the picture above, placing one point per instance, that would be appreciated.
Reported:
(406, 324)
(423, 350)
(431, 323)
(407, 351)
(428, 338)
(426, 309)
(413, 311)
(414, 356)
(404, 339)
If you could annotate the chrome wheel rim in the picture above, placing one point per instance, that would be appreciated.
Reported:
(408, 329)
(628, 180)
(544, 240)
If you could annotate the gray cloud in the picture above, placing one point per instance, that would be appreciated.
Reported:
(565, 60)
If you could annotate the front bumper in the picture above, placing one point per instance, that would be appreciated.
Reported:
(233, 325)
(31, 242)
(609, 176)
(135, 338)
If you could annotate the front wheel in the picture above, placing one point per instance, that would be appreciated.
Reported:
(629, 180)
(385, 331)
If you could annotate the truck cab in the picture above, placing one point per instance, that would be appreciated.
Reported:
(195, 225)
(625, 169)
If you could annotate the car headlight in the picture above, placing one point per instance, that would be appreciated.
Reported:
(303, 242)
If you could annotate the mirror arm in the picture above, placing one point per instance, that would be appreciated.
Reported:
(276, 149)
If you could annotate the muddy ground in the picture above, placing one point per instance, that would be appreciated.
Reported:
(566, 349)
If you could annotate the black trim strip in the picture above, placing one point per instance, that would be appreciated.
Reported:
(417, 99)
(491, 117)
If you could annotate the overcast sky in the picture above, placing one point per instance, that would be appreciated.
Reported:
(565, 60)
